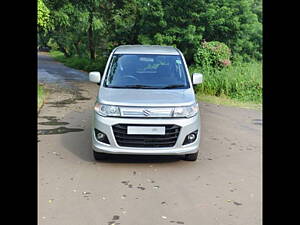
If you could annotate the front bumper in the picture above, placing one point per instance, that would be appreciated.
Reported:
(104, 124)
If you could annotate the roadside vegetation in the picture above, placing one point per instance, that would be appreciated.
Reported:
(221, 39)
(80, 63)
(41, 96)
(241, 82)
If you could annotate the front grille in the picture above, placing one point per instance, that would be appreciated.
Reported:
(146, 141)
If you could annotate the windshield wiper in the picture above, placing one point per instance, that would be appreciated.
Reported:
(138, 86)
(173, 86)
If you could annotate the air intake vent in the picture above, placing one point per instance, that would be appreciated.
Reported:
(146, 141)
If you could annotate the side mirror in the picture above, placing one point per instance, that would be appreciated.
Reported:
(197, 78)
(95, 77)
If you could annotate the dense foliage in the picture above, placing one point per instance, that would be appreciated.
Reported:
(215, 35)
(241, 81)
(95, 27)
(213, 54)
(43, 19)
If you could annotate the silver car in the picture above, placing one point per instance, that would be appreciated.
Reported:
(146, 104)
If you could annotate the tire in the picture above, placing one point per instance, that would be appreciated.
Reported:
(191, 157)
(100, 156)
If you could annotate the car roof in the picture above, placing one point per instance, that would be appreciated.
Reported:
(146, 49)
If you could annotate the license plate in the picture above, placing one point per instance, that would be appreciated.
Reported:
(146, 130)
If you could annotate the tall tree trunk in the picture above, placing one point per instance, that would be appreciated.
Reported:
(91, 38)
(76, 44)
(63, 50)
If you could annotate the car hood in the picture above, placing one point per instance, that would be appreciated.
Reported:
(146, 97)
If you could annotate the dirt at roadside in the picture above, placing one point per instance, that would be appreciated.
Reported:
(72, 97)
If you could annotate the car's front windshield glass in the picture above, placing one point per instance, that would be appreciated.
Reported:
(146, 71)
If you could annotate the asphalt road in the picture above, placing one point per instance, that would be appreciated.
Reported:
(50, 71)
(223, 187)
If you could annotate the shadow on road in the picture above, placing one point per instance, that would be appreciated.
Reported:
(78, 143)
(122, 158)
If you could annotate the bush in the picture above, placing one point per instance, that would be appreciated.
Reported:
(52, 44)
(80, 63)
(241, 81)
(213, 54)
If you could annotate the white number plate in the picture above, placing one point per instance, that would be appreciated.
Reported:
(146, 130)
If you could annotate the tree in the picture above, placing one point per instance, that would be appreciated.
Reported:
(95, 27)
(43, 18)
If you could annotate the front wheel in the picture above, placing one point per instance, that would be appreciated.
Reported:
(191, 157)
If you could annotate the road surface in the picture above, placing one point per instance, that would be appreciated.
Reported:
(50, 71)
(223, 187)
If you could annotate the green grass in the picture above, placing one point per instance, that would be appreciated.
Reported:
(41, 96)
(80, 63)
(240, 83)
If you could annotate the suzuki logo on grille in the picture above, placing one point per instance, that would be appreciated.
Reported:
(146, 112)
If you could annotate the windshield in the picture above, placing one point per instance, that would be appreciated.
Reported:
(146, 72)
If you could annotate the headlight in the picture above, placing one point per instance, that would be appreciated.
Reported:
(188, 111)
(107, 110)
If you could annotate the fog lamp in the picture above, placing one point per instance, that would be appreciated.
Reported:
(101, 136)
(190, 138)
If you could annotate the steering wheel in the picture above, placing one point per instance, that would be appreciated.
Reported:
(131, 77)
